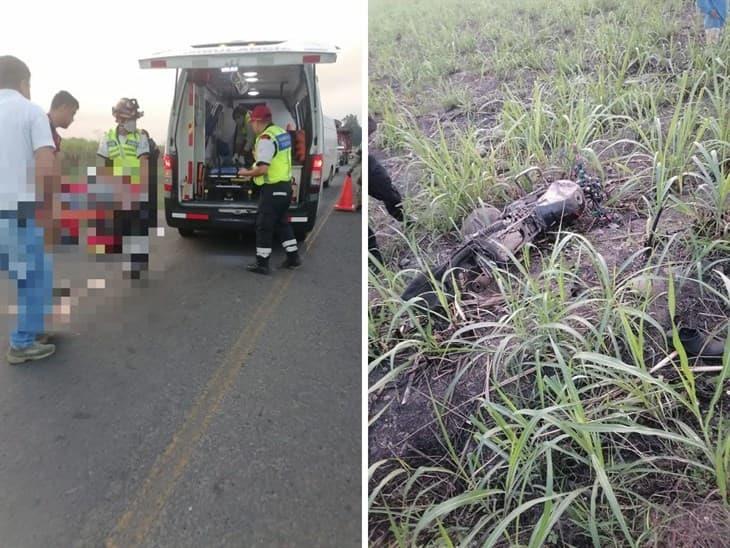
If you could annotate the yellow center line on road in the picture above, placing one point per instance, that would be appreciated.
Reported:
(142, 512)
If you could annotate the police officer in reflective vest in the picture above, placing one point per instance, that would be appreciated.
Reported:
(272, 173)
(127, 150)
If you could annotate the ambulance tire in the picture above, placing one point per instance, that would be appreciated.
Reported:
(301, 234)
(186, 232)
(326, 184)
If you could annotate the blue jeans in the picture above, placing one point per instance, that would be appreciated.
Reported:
(23, 256)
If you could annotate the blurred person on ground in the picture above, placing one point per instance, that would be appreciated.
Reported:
(715, 15)
(28, 171)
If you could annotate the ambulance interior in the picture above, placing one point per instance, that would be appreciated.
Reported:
(210, 161)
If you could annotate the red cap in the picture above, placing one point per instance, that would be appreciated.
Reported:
(261, 113)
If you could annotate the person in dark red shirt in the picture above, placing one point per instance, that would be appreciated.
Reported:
(63, 109)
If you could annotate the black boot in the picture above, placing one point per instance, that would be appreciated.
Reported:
(697, 344)
(261, 266)
(292, 260)
(140, 266)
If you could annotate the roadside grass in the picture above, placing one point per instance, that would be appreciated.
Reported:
(592, 431)
(625, 440)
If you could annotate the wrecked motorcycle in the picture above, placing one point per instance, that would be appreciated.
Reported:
(492, 238)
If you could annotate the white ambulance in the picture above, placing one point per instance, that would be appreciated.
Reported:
(203, 148)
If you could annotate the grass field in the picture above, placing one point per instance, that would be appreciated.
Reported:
(585, 428)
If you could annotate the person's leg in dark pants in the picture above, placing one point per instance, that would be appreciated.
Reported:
(373, 248)
(136, 244)
(281, 197)
(265, 222)
(130, 243)
(145, 222)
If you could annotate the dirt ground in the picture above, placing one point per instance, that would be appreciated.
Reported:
(436, 399)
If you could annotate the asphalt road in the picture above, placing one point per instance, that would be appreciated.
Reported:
(212, 408)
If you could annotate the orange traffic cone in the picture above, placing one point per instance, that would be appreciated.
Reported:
(346, 202)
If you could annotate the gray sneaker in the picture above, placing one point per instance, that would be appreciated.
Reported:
(36, 351)
(44, 338)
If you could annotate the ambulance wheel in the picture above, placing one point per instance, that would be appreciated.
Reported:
(186, 232)
(300, 234)
(326, 184)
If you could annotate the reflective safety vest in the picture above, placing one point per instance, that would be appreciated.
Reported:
(280, 166)
(124, 155)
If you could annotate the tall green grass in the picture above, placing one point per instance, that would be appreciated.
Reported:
(587, 400)
(592, 430)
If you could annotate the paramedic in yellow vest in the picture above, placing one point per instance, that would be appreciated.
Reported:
(272, 173)
(127, 150)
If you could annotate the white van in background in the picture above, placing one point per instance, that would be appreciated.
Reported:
(330, 151)
(201, 187)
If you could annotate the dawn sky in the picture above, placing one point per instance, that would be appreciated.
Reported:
(93, 52)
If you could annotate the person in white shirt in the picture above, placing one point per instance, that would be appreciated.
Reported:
(27, 174)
